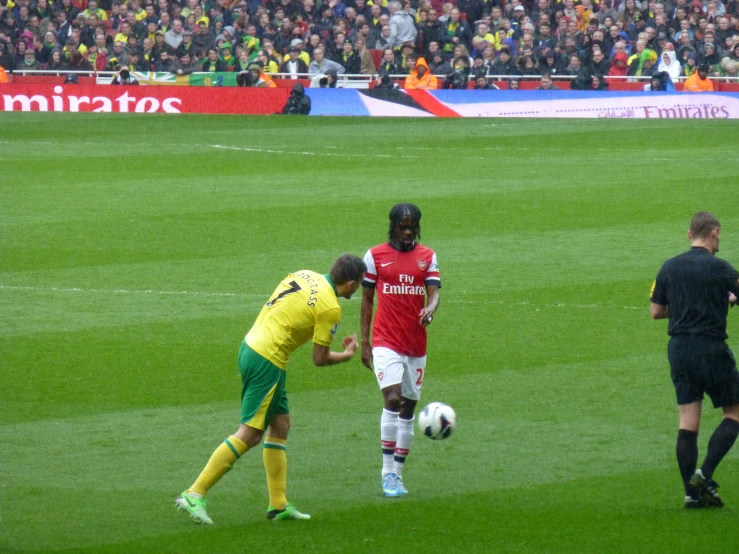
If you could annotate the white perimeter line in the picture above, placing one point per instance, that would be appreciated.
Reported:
(252, 295)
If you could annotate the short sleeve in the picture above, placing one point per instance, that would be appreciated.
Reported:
(732, 279)
(658, 294)
(327, 323)
(370, 279)
(432, 273)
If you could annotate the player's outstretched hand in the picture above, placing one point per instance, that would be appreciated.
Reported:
(367, 355)
(732, 298)
(425, 317)
(350, 344)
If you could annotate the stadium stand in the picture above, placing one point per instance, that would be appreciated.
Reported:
(616, 43)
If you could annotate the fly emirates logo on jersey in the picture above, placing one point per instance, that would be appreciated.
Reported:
(406, 286)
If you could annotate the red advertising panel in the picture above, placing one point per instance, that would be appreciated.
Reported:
(140, 99)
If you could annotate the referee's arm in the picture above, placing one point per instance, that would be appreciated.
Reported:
(658, 307)
(659, 311)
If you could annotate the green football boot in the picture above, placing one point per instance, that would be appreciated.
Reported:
(195, 507)
(288, 512)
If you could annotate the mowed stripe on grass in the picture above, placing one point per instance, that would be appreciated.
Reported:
(548, 235)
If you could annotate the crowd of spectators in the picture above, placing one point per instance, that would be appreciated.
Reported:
(436, 44)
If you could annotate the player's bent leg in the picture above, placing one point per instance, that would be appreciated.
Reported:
(719, 445)
(221, 461)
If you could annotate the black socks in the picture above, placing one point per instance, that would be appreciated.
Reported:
(719, 445)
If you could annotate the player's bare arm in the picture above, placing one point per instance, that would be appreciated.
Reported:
(426, 316)
(659, 311)
(368, 306)
(323, 356)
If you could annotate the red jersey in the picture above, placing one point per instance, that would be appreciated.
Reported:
(400, 279)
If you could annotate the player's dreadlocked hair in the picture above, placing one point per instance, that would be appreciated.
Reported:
(398, 212)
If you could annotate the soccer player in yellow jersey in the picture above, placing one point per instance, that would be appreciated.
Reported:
(304, 306)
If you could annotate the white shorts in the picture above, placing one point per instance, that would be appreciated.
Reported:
(392, 368)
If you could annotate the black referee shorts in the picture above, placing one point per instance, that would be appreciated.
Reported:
(701, 366)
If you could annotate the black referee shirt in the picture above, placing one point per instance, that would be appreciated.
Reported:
(696, 285)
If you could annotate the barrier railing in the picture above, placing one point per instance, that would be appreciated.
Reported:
(357, 81)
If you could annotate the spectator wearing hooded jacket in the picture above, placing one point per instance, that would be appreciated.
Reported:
(619, 66)
(690, 65)
(421, 77)
(668, 64)
(298, 103)
(699, 81)
(402, 26)
(709, 55)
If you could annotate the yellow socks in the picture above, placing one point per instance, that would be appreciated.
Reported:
(275, 464)
(226, 455)
(220, 462)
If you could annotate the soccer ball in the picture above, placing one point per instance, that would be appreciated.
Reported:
(437, 421)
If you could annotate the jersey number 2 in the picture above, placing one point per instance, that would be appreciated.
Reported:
(294, 287)
(419, 381)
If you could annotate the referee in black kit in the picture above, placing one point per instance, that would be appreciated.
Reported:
(694, 290)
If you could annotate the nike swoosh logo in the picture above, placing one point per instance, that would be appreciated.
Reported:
(189, 503)
(383, 265)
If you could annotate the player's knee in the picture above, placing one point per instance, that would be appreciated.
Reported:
(392, 402)
(392, 405)
(732, 412)
(407, 408)
(279, 427)
(250, 436)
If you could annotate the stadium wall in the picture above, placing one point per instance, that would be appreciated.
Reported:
(370, 102)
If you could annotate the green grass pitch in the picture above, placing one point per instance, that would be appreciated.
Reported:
(136, 251)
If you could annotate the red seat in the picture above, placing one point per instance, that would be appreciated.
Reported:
(108, 24)
(377, 57)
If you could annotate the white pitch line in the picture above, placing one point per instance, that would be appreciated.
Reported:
(253, 295)
(130, 291)
(348, 155)
(308, 153)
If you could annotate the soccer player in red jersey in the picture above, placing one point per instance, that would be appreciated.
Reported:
(405, 276)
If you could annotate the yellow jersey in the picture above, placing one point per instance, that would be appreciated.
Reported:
(304, 305)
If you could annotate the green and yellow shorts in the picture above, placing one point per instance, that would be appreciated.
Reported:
(263, 392)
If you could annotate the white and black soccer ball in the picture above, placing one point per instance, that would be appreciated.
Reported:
(437, 421)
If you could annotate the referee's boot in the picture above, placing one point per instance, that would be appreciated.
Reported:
(706, 489)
